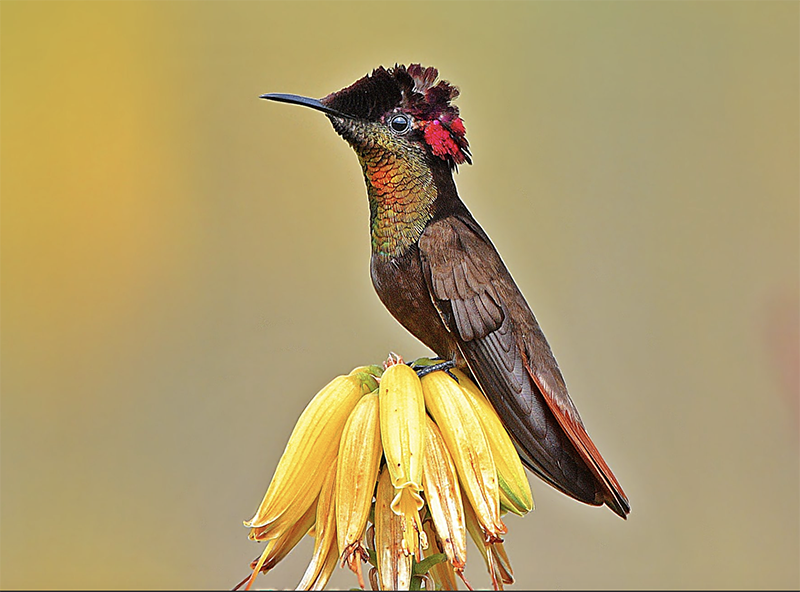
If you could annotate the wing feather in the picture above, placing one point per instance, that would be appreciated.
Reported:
(472, 291)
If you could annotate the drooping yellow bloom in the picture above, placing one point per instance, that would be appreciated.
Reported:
(492, 549)
(515, 492)
(461, 429)
(443, 495)
(316, 575)
(312, 447)
(436, 467)
(357, 472)
(394, 564)
(279, 547)
(402, 420)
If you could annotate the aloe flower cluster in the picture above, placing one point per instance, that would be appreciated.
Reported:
(392, 470)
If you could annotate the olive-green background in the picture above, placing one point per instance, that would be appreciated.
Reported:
(184, 266)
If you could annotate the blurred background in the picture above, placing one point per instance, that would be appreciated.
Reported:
(184, 266)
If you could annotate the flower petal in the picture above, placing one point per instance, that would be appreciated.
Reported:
(394, 565)
(443, 494)
(324, 533)
(356, 475)
(444, 577)
(515, 491)
(402, 421)
(312, 448)
(468, 447)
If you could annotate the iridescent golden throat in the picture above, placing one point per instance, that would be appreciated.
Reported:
(401, 193)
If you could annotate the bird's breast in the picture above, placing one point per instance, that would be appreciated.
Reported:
(401, 286)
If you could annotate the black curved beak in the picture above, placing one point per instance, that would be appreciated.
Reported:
(305, 102)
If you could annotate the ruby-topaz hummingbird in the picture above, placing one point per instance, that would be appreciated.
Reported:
(440, 276)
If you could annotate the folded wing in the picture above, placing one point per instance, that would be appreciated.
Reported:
(510, 358)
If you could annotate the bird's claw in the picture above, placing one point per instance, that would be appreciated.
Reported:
(445, 366)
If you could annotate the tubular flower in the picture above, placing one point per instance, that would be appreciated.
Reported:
(402, 410)
(359, 461)
(515, 492)
(461, 429)
(316, 576)
(494, 554)
(312, 448)
(444, 497)
(374, 477)
(394, 565)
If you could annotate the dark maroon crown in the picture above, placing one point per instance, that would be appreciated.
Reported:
(416, 91)
(369, 97)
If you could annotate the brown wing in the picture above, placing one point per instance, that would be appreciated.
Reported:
(510, 358)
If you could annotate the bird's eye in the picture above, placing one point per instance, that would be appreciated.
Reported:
(400, 123)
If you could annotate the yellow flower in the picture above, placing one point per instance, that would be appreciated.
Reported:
(515, 492)
(393, 563)
(443, 494)
(384, 467)
(312, 448)
(493, 551)
(402, 411)
(357, 471)
(462, 431)
(320, 568)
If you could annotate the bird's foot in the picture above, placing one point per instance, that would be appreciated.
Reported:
(424, 370)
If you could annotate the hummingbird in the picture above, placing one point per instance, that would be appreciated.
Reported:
(438, 273)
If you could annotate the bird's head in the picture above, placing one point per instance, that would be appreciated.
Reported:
(402, 110)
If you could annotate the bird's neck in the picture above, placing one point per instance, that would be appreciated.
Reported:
(402, 193)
